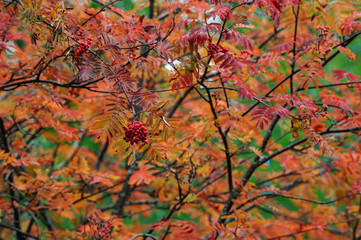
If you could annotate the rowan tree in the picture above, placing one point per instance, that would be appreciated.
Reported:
(145, 119)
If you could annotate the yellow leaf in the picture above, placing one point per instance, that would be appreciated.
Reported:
(256, 151)
(143, 148)
(83, 166)
(190, 198)
(227, 216)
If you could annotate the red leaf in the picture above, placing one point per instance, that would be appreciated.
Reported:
(347, 28)
(221, 12)
(238, 37)
(341, 74)
(265, 114)
(142, 175)
(245, 92)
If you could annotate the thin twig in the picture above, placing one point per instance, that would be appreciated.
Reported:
(143, 235)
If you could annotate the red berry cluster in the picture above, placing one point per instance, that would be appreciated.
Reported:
(323, 31)
(84, 46)
(216, 96)
(324, 110)
(132, 54)
(101, 228)
(222, 49)
(79, 32)
(245, 53)
(135, 133)
(213, 48)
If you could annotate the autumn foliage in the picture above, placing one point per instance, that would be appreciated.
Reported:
(149, 119)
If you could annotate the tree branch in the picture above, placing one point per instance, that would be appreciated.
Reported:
(5, 146)
(307, 230)
(269, 195)
(18, 231)
(343, 43)
(144, 236)
(293, 64)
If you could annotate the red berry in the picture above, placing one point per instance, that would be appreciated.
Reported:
(133, 15)
(135, 133)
